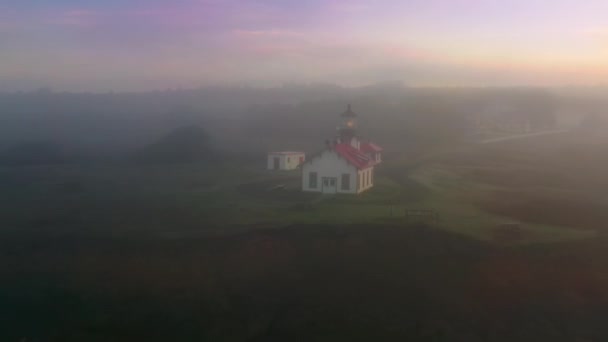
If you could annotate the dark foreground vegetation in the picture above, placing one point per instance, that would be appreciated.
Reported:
(301, 283)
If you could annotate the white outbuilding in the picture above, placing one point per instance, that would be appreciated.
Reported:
(288, 160)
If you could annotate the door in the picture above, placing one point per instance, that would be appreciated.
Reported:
(330, 185)
(277, 162)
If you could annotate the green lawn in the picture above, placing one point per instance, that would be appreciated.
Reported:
(127, 198)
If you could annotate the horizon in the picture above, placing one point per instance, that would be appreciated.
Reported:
(136, 46)
(296, 86)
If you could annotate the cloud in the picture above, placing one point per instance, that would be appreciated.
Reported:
(7, 18)
(323, 40)
(600, 33)
(5, 24)
(347, 6)
(273, 33)
(78, 17)
(598, 36)
(596, 32)
(80, 13)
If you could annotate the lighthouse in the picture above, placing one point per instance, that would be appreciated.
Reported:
(345, 166)
(347, 130)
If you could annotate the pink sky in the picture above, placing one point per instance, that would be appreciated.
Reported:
(156, 44)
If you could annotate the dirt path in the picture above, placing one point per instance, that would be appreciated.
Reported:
(522, 136)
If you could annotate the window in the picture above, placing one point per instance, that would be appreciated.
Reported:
(312, 180)
(345, 181)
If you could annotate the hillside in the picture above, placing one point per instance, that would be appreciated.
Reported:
(184, 145)
(34, 153)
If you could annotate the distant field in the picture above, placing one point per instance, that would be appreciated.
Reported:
(553, 195)
(550, 185)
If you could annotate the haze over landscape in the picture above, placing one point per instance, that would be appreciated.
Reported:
(152, 45)
(324, 170)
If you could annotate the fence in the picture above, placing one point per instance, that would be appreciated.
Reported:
(421, 215)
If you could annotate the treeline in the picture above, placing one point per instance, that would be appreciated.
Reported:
(252, 120)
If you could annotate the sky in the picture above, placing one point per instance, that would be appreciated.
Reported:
(103, 45)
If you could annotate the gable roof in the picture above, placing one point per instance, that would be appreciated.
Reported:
(353, 156)
(370, 147)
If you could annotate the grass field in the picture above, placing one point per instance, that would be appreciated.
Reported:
(304, 282)
(473, 189)
(196, 253)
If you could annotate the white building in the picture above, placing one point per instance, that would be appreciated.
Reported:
(346, 166)
(285, 160)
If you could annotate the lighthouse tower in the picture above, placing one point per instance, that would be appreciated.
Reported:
(347, 130)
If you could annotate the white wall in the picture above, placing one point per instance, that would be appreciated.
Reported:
(271, 161)
(292, 161)
(329, 164)
(365, 179)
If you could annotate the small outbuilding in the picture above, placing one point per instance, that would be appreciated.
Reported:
(288, 160)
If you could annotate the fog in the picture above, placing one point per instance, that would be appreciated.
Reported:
(317, 170)
(248, 120)
(161, 215)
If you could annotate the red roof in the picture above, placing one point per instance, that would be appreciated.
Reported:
(354, 156)
(370, 147)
